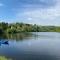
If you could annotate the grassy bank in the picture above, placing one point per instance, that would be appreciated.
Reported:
(4, 58)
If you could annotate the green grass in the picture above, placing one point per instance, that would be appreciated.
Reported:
(4, 58)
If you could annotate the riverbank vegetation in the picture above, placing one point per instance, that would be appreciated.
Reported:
(22, 27)
(4, 58)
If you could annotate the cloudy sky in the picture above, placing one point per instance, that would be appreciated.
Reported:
(43, 12)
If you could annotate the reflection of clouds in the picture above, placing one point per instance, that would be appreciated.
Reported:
(29, 43)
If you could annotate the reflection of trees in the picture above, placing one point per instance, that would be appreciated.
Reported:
(18, 36)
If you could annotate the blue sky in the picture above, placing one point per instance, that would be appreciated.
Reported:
(42, 12)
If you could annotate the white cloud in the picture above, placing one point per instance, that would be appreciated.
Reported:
(42, 13)
(29, 18)
(39, 14)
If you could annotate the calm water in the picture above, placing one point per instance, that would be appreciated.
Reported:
(31, 46)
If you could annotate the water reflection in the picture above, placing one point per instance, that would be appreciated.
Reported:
(18, 36)
(34, 46)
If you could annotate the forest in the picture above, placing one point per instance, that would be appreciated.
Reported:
(23, 27)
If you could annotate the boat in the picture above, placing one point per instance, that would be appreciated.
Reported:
(3, 42)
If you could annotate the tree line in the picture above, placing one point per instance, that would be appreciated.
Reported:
(23, 27)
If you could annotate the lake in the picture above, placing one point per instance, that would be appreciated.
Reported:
(31, 46)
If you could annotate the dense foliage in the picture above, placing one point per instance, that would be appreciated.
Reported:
(21, 27)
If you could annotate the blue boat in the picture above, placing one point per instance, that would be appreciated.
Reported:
(3, 42)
